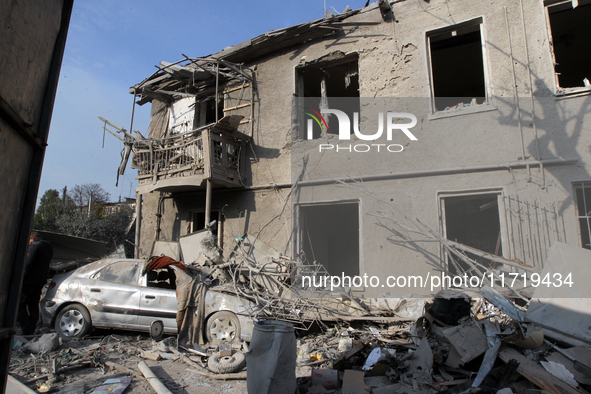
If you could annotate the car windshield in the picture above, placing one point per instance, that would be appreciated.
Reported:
(120, 272)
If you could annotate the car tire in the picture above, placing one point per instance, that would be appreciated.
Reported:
(73, 322)
(226, 364)
(222, 326)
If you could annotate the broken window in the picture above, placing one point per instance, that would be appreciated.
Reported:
(457, 65)
(163, 278)
(334, 76)
(198, 220)
(206, 110)
(583, 201)
(571, 37)
(473, 221)
(329, 235)
(120, 272)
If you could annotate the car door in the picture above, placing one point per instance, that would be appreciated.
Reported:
(158, 300)
(115, 294)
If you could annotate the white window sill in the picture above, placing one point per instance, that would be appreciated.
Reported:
(572, 92)
(458, 111)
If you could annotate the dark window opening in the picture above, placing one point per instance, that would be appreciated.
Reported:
(198, 220)
(571, 38)
(320, 83)
(330, 236)
(583, 195)
(210, 107)
(163, 278)
(457, 67)
(473, 221)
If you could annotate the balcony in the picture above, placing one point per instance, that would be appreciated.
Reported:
(182, 162)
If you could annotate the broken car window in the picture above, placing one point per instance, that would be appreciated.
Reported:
(120, 272)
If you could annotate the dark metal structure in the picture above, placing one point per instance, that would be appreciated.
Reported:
(32, 41)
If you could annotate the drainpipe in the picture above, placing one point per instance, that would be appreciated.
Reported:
(138, 221)
(208, 203)
(516, 94)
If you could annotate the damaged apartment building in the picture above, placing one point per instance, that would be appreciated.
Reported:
(495, 97)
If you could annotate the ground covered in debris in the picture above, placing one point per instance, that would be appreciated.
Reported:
(462, 343)
(457, 341)
(81, 366)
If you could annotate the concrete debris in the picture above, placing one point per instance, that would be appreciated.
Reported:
(45, 343)
(325, 378)
(323, 340)
(113, 386)
(353, 383)
(563, 311)
(560, 372)
(156, 384)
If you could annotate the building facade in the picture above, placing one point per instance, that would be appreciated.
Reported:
(480, 111)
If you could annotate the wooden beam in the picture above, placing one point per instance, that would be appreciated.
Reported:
(537, 374)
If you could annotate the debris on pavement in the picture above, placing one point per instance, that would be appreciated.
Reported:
(324, 340)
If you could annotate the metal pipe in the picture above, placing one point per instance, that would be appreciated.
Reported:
(138, 221)
(531, 94)
(217, 88)
(132, 111)
(208, 203)
(515, 92)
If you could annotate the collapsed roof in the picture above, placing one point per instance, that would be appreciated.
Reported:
(200, 76)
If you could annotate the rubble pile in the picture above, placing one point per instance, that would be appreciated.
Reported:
(484, 351)
(456, 341)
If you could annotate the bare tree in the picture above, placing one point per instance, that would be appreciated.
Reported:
(81, 193)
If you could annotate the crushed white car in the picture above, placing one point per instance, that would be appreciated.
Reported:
(113, 293)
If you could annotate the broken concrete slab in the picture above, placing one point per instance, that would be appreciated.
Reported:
(564, 310)
(468, 341)
(327, 378)
(353, 383)
(166, 248)
(423, 357)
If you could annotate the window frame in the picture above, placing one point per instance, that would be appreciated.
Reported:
(297, 245)
(135, 282)
(582, 185)
(320, 64)
(487, 105)
(558, 90)
(442, 195)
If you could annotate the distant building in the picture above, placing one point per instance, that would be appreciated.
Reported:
(114, 207)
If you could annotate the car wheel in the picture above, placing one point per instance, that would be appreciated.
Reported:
(226, 364)
(73, 322)
(222, 326)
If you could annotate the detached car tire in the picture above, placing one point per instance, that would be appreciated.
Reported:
(226, 364)
(73, 322)
(222, 326)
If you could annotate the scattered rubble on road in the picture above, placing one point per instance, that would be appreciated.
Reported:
(457, 341)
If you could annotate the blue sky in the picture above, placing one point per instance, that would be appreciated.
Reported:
(113, 45)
